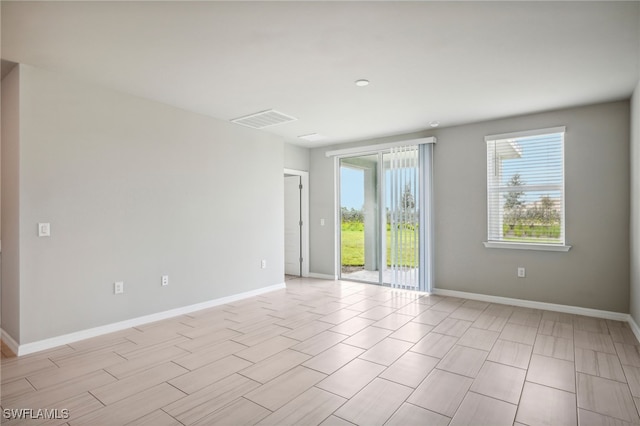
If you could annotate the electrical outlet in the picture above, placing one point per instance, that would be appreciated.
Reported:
(44, 230)
(264, 264)
(118, 287)
(165, 280)
(521, 272)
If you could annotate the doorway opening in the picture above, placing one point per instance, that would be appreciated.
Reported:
(361, 242)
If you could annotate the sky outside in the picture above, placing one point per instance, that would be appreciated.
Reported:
(540, 163)
(351, 188)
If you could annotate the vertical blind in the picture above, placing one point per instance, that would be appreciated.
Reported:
(525, 187)
(403, 216)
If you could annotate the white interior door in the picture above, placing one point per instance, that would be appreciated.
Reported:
(292, 255)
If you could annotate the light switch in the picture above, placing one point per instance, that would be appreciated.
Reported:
(44, 230)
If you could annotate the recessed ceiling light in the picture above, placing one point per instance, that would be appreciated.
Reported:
(313, 137)
(362, 82)
(434, 123)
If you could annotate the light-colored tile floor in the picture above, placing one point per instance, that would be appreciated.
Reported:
(339, 353)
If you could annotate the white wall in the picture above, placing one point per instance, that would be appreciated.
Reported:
(10, 278)
(296, 157)
(635, 206)
(133, 190)
(634, 232)
(321, 208)
(594, 274)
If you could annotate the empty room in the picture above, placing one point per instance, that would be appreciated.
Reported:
(320, 213)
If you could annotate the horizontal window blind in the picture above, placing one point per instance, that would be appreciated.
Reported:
(525, 187)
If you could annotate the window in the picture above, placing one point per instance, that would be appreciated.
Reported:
(525, 190)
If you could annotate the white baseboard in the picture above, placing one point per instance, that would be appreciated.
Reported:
(322, 276)
(634, 327)
(616, 316)
(8, 340)
(53, 342)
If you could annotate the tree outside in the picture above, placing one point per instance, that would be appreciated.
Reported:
(533, 221)
(352, 233)
(514, 207)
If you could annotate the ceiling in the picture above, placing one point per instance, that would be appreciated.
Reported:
(451, 62)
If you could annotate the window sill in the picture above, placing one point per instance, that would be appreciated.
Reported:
(526, 246)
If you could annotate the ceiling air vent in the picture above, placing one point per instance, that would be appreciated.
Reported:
(264, 119)
(313, 137)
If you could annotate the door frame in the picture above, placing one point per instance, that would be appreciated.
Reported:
(304, 213)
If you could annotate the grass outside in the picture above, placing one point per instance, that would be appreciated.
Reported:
(536, 233)
(353, 246)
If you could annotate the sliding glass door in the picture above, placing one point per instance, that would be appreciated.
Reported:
(384, 217)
